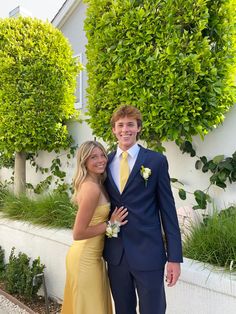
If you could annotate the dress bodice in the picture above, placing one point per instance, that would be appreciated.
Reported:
(95, 244)
(101, 213)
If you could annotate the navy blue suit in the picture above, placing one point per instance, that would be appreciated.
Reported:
(140, 245)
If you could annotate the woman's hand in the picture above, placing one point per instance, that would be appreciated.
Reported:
(119, 215)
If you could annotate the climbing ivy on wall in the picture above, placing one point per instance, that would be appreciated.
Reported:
(222, 170)
(173, 59)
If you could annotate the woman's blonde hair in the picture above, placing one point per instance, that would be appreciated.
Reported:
(83, 154)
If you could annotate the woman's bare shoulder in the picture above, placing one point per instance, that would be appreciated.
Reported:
(89, 190)
(90, 185)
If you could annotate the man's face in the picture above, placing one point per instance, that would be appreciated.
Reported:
(126, 130)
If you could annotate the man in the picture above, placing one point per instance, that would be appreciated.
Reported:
(136, 259)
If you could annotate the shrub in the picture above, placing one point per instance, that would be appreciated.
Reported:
(174, 60)
(214, 240)
(20, 274)
(52, 210)
(37, 84)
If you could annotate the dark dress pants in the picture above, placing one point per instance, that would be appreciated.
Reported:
(149, 284)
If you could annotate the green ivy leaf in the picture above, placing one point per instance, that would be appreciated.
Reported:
(212, 166)
(227, 164)
(221, 184)
(218, 159)
(198, 164)
(201, 198)
(203, 159)
(233, 176)
(182, 194)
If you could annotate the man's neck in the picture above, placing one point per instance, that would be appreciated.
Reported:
(126, 148)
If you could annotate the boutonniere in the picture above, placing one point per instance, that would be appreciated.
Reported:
(145, 173)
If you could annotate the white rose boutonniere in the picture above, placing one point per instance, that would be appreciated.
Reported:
(145, 173)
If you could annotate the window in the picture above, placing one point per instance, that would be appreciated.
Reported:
(79, 85)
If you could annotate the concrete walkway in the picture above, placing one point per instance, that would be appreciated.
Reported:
(7, 307)
(10, 305)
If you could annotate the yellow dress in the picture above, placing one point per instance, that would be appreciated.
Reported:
(87, 289)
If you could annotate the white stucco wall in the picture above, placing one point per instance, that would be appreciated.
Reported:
(220, 141)
(50, 245)
(73, 29)
(200, 290)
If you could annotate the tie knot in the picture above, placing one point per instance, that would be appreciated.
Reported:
(124, 155)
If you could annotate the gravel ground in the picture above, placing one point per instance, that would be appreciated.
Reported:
(7, 307)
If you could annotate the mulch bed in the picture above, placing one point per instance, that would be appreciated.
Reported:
(38, 305)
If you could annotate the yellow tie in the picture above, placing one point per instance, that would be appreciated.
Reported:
(124, 170)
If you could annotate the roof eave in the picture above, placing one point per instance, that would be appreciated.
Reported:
(64, 12)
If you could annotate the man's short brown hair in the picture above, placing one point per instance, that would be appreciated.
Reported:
(126, 111)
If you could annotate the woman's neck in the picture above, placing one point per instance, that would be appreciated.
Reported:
(94, 178)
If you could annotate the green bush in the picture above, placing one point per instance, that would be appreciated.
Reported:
(52, 210)
(174, 60)
(19, 276)
(37, 84)
(214, 241)
(4, 190)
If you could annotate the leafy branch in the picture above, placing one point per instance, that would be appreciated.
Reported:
(55, 172)
(223, 171)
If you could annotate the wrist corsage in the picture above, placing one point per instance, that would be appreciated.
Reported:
(145, 173)
(112, 229)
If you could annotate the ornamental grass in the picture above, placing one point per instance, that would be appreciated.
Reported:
(214, 240)
(51, 210)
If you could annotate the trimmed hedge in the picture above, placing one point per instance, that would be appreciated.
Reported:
(174, 60)
(37, 84)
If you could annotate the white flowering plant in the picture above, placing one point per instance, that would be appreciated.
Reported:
(145, 173)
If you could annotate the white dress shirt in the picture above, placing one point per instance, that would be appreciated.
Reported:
(115, 164)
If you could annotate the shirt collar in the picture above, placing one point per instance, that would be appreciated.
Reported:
(132, 151)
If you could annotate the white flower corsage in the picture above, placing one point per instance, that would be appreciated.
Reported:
(112, 229)
(145, 173)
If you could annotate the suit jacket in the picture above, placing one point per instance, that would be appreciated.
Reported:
(151, 211)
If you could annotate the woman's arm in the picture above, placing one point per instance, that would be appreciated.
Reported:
(89, 198)
(88, 201)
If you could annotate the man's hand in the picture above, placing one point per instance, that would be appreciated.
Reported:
(173, 273)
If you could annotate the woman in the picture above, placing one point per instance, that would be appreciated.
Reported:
(87, 289)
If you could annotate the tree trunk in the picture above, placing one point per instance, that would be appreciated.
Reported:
(19, 173)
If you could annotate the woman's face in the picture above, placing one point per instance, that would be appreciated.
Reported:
(96, 162)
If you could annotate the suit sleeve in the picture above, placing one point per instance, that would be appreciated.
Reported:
(168, 214)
